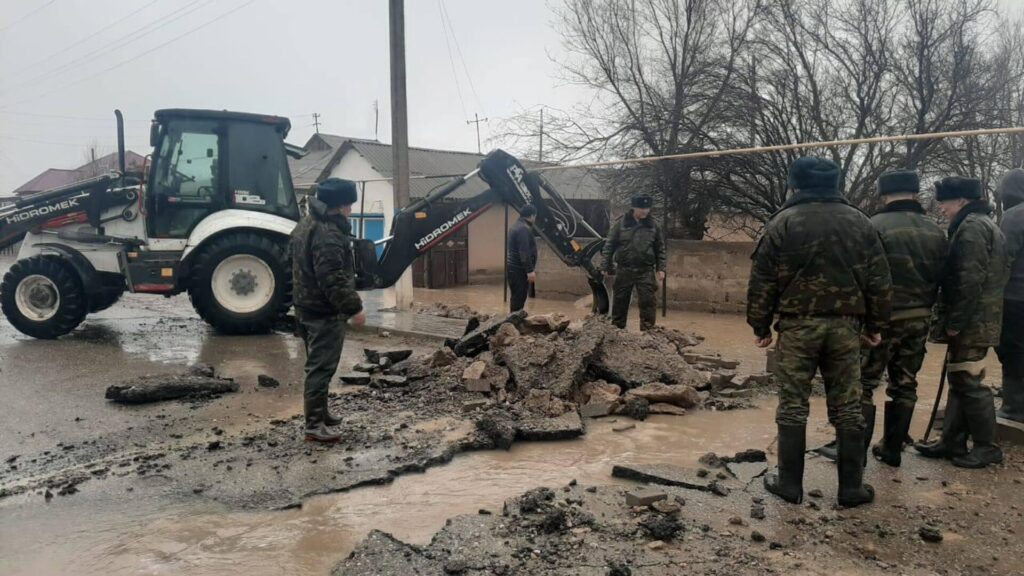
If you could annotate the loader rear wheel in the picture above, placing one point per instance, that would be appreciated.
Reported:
(241, 283)
(43, 297)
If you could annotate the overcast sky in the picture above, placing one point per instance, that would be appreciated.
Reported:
(66, 64)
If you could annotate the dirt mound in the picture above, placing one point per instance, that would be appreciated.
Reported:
(458, 312)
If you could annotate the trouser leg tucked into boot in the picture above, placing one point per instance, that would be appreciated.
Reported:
(788, 483)
(980, 414)
(953, 442)
(852, 489)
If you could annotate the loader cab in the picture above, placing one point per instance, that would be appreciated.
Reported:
(207, 161)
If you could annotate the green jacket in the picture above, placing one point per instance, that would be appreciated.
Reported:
(323, 264)
(915, 248)
(634, 245)
(976, 270)
(818, 256)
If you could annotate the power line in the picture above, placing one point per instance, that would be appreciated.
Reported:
(118, 43)
(26, 16)
(458, 49)
(451, 58)
(141, 54)
(89, 37)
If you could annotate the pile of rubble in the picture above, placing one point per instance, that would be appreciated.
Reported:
(457, 311)
(535, 377)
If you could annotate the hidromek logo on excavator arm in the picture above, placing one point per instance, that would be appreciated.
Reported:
(426, 240)
(46, 210)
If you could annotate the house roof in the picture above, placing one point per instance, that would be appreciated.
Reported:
(57, 177)
(327, 149)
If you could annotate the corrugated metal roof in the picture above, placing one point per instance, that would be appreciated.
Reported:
(572, 183)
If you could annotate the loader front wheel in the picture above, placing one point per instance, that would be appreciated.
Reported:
(43, 297)
(241, 283)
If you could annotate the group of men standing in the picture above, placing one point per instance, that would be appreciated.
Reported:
(858, 297)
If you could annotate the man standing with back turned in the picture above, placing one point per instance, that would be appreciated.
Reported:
(521, 260)
(635, 255)
(323, 273)
(916, 250)
(969, 318)
(820, 266)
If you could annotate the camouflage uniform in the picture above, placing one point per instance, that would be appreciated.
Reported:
(634, 251)
(915, 248)
(821, 268)
(325, 297)
(971, 304)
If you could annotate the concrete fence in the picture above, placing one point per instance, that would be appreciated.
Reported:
(702, 275)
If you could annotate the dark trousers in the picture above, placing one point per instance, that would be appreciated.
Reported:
(646, 285)
(1011, 341)
(324, 337)
(519, 287)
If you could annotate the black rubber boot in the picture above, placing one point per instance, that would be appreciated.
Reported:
(897, 423)
(980, 412)
(1013, 399)
(330, 418)
(321, 433)
(852, 489)
(953, 442)
(788, 484)
(868, 411)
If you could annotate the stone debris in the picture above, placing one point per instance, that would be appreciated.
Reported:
(679, 395)
(394, 356)
(669, 409)
(457, 312)
(265, 381)
(596, 409)
(930, 534)
(356, 378)
(157, 388)
(545, 323)
(644, 497)
(663, 474)
(564, 427)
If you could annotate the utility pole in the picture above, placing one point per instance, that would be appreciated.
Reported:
(540, 156)
(376, 120)
(399, 133)
(316, 122)
(477, 121)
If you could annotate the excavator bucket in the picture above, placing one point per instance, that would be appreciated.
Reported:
(602, 302)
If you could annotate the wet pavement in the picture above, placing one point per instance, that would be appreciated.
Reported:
(52, 393)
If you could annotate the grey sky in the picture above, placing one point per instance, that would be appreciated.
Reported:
(290, 58)
(282, 57)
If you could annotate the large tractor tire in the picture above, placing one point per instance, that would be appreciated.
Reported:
(43, 297)
(241, 283)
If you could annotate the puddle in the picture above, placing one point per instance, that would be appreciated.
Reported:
(87, 537)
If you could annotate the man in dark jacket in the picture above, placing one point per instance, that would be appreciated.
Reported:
(820, 266)
(521, 260)
(635, 255)
(324, 287)
(969, 318)
(915, 248)
(1011, 342)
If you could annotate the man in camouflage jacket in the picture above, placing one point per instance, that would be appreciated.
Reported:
(635, 255)
(1011, 341)
(820, 267)
(969, 318)
(323, 271)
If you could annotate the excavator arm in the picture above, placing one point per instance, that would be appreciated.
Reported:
(428, 221)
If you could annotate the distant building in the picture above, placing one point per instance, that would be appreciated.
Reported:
(478, 252)
(57, 177)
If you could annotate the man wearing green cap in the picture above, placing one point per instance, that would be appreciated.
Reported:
(969, 319)
(324, 288)
(635, 255)
(820, 267)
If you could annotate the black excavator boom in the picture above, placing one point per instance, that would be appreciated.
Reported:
(428, 221)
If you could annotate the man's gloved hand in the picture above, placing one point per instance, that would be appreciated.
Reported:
(358, 320)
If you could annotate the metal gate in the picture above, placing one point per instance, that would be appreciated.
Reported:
(446, 264)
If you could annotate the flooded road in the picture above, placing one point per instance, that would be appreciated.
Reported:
(52, 392)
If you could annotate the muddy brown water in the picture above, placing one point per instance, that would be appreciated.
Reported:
(108, 532)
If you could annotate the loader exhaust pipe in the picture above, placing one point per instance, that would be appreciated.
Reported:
(120, 142)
